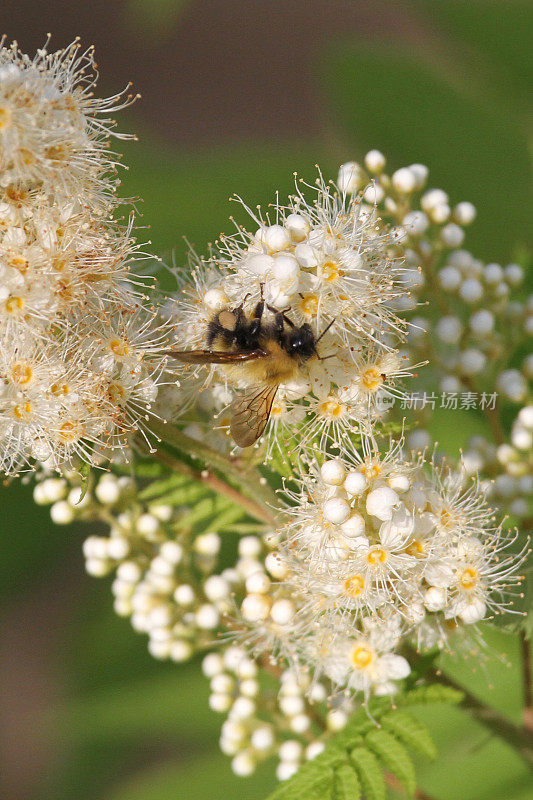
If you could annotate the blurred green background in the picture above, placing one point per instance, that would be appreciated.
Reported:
(236, 96)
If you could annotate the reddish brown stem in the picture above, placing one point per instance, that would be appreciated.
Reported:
(210, 479)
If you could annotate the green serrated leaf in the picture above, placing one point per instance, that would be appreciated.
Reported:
(410, 731)
(205, 509)
(393, 756)
(187, 494)
(162, 486)
(140, 469)
(313, 781)
(435, 693)
(370, 773)
(227, 518)
(347, 786)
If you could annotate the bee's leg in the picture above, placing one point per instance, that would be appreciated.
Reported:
(255, 322)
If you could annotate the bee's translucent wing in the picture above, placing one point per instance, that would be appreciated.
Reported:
(214, 356)
(249, 415)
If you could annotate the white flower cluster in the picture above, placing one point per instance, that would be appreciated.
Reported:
(164, 581)
(246, 736)
(75, 338)
(330, 263)
(379, 550)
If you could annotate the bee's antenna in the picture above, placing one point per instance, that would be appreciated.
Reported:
(326, 329)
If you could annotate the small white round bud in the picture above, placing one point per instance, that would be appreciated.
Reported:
(216, 299)
(449, 329)
(184, 595)
(514, 274)
(207, 544)
(259, 264)
(375, 161)
(336, 510)
(355, 483)
(282, 612)
(107, 490)
(212, 664)
(439, 214)
(290, 750)
(432, 198)
(525, 417)
(318, 693)
(404, 180)
(415, 223)
(464, 213)
(216, 588)
(291, 705)
(246, 668)
(450, 384)
(400, 483)
(350, 178)
(482, 322)
(262, 738)
(472, 361)
(207, 617)
(220, 702)
(97, 567)
(159, 649)
(181, 650)
(381, 502)
(277, 567)
(286, 769)
(243, 708)
(118, 547)
(300, 723)
(77, 499)
(249, 546)
(452, 235)
(159, 566)
(493, 274)
(286, 270)
(162, 512)
(421, 172)
(512, 384)
(450, 278)
(297, 226)
(234, 730)
(257, 583)
(276, 238)
(249, 688)
(354, 527)
(313, 750)
(255, 607)
(373, 194)
(471, 290)
(147, 525)
(435, 598)
(333, 472)
(336, 720)
(172, 552)
(222, 683)
(62, 513)
(473, 612)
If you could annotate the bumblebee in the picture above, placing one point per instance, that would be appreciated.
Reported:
(265, 354)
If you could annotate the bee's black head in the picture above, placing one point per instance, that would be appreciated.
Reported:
(301, 342)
